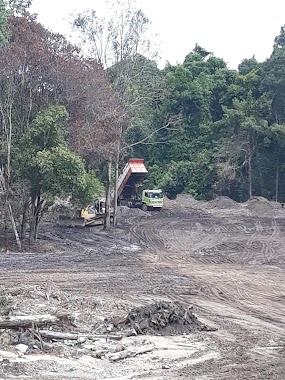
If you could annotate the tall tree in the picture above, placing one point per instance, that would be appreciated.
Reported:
(37, 69)
(43, 160)
(119, 43)
(273, 78)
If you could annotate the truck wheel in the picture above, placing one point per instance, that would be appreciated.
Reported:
(144, 207)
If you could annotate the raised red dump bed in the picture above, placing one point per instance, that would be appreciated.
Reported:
(133, 174)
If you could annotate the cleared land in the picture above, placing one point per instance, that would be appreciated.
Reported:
(225, 259)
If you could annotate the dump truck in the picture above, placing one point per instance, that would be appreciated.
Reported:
(130, 191)
(130, 194)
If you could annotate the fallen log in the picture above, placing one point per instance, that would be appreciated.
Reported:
(49, 334)
(26, 321)
(130, 353)
(105, 336)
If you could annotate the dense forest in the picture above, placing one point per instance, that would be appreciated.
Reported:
(70, 117)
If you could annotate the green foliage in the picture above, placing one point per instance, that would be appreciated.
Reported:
(181, 177)
(51, 168)
(248, 65)
(230, 139)
(48, 129)
(279, 41)
(139, 84)
(20, 8)
(90, 188)
(201, 51)
(154, 178)
(3, 23)
(175, 179)
(273, 82)
(62, 173)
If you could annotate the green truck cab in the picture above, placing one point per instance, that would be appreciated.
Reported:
(152, 199)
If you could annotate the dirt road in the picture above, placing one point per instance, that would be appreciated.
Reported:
(225, 259)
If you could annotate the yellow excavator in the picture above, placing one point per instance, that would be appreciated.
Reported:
(93, 215)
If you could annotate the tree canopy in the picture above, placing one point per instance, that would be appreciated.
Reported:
(51, 101)
(231, 135)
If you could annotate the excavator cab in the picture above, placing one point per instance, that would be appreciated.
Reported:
(100, 206)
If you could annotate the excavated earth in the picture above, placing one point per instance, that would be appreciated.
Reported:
(223, 260)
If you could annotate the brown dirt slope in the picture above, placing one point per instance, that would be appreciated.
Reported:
(225, 259)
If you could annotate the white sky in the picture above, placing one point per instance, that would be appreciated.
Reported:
(231, 29)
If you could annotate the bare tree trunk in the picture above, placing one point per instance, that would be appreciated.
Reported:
(24, 220)
(32, 221)
(6, 223)
(108, 196)
(115, 216)
(249, 177)
(36, 211)
(4, 186)
(40, 210)
(10, 211)
(277, 184)
(5, 174)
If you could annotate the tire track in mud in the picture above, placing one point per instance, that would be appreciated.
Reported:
(185, 236)
(181, 257)
(264, 246)
(172, 247)
(183, 244)
(218, 264)
(186, 259)
(274, 248)
(246, 253)
(233, 289)
(205, 241)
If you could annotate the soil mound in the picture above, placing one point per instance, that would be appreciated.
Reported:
(262, 207)
(160, 318)
(185, 200)
(127, 212)
(223, 202)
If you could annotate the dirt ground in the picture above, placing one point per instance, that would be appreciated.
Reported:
(225, 259)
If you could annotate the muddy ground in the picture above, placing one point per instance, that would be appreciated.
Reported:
(225, 259)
